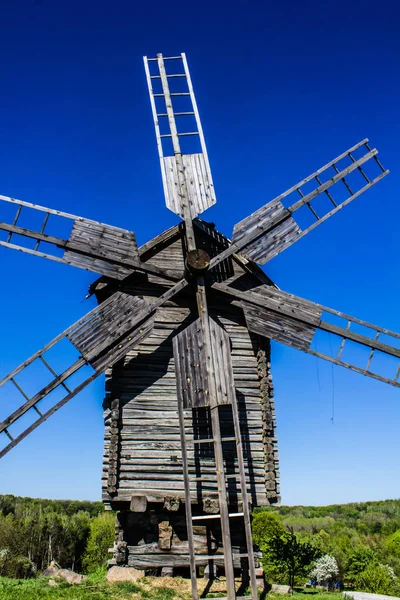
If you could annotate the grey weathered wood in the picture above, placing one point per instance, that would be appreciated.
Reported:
(48, 414)
(267, 315)
(280, 237)
(199, 187)
(246, 511)
(178, 159)
(138, 503)
(187, 180)
(278, 222)
(188, 507)
(255, 227)
(207, 174)
(216, 434)
(92, 246)
(193, 382)
(115, 327)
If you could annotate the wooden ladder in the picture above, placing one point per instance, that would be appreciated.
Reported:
(217, 441)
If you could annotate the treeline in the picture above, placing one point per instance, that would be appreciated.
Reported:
(357, 545)
(33, 532)
(362, 540)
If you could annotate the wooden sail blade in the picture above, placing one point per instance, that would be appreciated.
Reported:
(72, 240)
(100, 338)
(66, 238)
(272, 228)
(295, 322)
(197, 384)
(186, 175)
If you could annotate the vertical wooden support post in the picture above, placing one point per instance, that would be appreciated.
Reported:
(216, 433)
(188, 506)
(246, 511)
(223, 504)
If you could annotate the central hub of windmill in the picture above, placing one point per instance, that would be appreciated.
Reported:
(197, 260)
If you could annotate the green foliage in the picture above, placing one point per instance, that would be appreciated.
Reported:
(96, 588)
(101, 538)
(291, 556)
(377, 579)
(266, 525)
(358, 559)
(35, 532)
(285, 557)
(361, 537)
(393, 544)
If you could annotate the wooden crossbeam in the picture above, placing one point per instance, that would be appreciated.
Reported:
(101, 337)
(91, 245)
(272, 228)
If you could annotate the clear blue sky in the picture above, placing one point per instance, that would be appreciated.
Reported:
(282, 87)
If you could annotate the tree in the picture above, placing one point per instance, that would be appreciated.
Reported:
(393, 544)
(325, 569)
(291, 555)
(359, 559)
(101, 538)
(377, 579)
(265, 526)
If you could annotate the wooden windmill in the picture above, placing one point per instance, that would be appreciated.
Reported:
(182, 331)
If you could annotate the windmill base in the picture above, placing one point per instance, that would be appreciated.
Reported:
(156, 541)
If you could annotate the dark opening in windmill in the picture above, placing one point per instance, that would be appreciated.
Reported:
(183, 331)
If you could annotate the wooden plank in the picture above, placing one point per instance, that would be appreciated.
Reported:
(207, 174)
(193, 378)
(199, 187)
(48, 414)
(188, 507)
(282, 235)
(270, 318)
(76, 366)
(181, 180)
(308, 313)
(85, 254)
(138, 503)
(281, 328)
(283, 230)
(216, 434)
(245, 502)
(104, 328)
(266, 226)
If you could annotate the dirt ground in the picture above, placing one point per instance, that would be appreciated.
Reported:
(183, 586)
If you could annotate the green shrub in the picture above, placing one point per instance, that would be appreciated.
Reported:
(101, 538)
(377, 579)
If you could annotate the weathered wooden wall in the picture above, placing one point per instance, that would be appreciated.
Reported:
(142, 446)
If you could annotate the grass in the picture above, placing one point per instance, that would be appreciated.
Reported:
(97, 588)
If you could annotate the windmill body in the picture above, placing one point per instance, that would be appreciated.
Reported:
(143, 457)
(182, 332)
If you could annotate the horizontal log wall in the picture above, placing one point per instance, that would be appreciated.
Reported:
(146, 435)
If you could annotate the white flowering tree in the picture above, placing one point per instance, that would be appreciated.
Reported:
(325, 569)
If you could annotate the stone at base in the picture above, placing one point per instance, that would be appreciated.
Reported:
(167, 572)
(116, 574)
(52, 582)
(51, 569)
(69, 576)
(281, 589)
